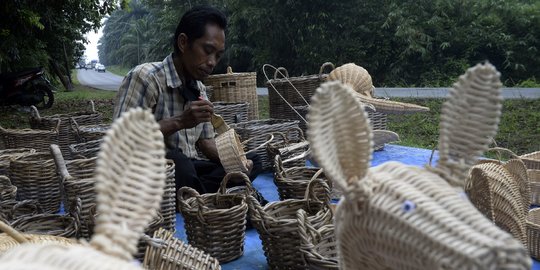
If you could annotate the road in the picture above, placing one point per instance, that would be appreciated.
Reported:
(109, 81)
(99, 80)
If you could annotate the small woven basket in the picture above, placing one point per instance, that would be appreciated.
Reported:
(231, 151)
(87, 149)
(215, 222)
(291, 147)
(257, 131)
(7, 190)
(531, 160)
(533, 232)
(35, 177)
(277, 225)
(7, 154)
(236, 87)
(165, 252)
(30, 138)
(85, 133)
(318, 247)
(65, 134)
(292, 183)
(233, 112)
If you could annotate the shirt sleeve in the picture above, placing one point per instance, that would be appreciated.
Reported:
(207, 129)
(136, 90)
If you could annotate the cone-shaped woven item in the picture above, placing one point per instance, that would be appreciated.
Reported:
(354, 76)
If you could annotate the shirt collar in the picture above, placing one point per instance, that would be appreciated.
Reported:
(173, 80)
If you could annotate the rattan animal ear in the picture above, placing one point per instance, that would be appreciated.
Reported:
(354, 76)
(469, 121)
(339, 134)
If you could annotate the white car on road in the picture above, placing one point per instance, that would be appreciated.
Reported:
(100, 68)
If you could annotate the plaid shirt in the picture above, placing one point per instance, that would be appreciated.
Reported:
(158, 86)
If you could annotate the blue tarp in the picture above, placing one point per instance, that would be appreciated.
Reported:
(254, 258)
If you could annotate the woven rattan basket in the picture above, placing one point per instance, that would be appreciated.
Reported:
(533, 232)
(30, 138)
(285, 92)
(236, 87)
(277, 226)
(7, 190)
(85, 133)
(168, 204)
(532, 160)
(215, 222)
(166, 252)
(319, 247)
(232, 112)
(12, 210)
(534, 183)
(395, 216)
(7, 154)
(292, 148)
(35, 177)
(87, 149)
(231, 151)
(292, 182)
(65, 135)
(257, 131)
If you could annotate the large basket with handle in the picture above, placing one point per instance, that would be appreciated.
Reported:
(215, 222)
(236, 87)
(532, 160)
(167, 252)
(285, 92)
(65, 134)
(277, 225)
(30, 138)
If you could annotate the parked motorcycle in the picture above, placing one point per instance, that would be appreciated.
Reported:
(26, 87)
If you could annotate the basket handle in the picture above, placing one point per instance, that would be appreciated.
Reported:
(181, 199)
(280, 95)
(310, 191)
(34, 112)
(12, 232)
(60, 162)
(92, 106)
(298, 130)
(500, 150)
(223, 185)
(299, 156)
(282, 135)
(229, 70)
(32, 203)
(282, 71)
(5, 182)
(306, 229)
(325, 65)
(278, 165)
(269, 139)
(75, 212)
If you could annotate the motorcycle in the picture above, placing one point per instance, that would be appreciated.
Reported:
(26, 87)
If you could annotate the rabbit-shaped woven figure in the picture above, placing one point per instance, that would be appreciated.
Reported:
(130, 177)
(395, 216)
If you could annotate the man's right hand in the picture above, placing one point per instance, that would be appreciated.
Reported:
(197, 112)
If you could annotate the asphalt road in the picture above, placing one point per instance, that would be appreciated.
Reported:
(99, 80)
(109, 81)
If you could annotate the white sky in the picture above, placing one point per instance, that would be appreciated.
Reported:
(91, 51)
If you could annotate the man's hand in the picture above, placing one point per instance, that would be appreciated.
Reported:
(199, 111)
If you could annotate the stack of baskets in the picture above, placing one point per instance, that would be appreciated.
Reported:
(65, 134)
(255, 132)
(236, 87)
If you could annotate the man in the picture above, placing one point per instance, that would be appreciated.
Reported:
(174, 91)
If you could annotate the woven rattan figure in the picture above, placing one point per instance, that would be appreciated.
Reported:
(130, 176)
(395, 216)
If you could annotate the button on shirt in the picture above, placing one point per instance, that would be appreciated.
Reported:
(158, 86)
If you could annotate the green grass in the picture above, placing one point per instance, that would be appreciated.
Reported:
(118, 70)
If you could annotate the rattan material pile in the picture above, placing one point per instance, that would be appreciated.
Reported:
(236, 87)
(406, 217)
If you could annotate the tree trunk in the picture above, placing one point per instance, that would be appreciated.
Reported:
(68, 70)
(63, 78)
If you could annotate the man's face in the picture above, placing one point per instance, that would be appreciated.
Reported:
(200, 57)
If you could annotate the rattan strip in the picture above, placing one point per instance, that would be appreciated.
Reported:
(319, 247)
(277, 221)
(29, 138)
(292, 148)
(233, 112)
(65, 134)
(87, 149)
(90, 132)
(215, 222)
(7, 154)
(256, 132)
(169, 253)
(236, 87)
(36, 179)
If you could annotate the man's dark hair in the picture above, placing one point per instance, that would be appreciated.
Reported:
(193, 23)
